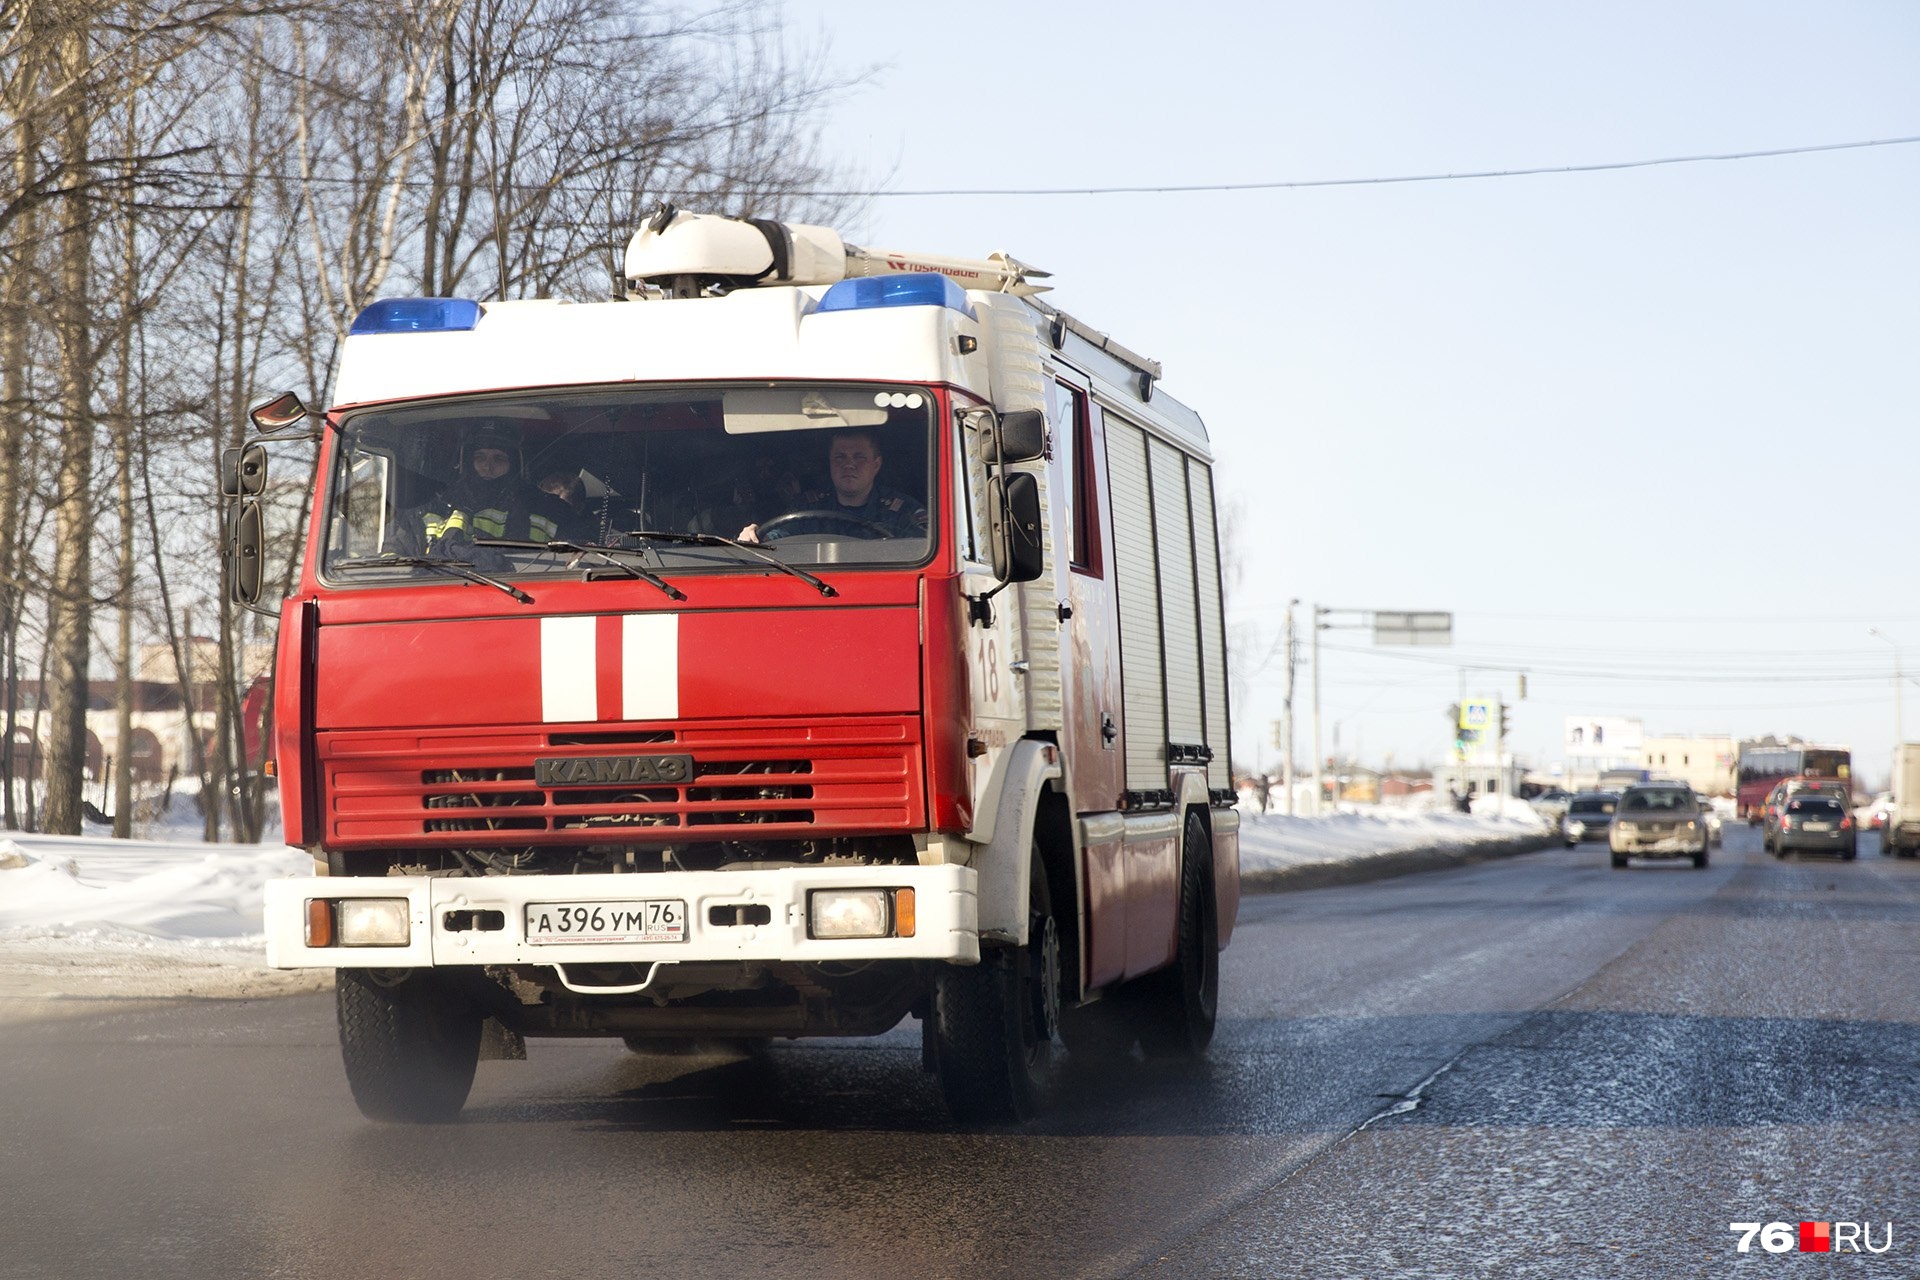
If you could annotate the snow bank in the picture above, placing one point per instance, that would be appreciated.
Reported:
(81, 916)
(1272, 841)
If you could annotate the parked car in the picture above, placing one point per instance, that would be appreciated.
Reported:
(1589, 814)
(1818, 822)
(1551, 805)
(1659, 820)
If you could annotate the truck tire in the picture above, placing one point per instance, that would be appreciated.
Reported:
(410, 1046)
(994, 1025)
(1180, 1004)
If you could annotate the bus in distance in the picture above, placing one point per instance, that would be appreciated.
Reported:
(1763, 765)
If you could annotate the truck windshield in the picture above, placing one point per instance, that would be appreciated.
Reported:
(814, 474)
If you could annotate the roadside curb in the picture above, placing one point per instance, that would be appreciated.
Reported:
(1395, 862)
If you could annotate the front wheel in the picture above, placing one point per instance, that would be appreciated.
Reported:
(1180, 1004)
(410, 1046)
(1700, 858)
(993, 1026)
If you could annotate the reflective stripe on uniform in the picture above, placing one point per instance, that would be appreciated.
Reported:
(491, 523)
(441, 526)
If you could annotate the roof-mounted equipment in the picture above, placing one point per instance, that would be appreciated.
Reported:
(687, 255)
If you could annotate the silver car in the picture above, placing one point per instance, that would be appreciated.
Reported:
(1657, 821)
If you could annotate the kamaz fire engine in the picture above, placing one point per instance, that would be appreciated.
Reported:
(861, 658)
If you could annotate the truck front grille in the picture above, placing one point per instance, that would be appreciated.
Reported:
(761, 780)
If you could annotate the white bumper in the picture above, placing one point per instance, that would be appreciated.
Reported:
(440, 912)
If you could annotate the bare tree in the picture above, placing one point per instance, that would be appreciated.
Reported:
(493, 148)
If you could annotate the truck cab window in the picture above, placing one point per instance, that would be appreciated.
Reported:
(811, 474)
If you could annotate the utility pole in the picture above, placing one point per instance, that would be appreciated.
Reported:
(1286, 747)
(1500, 753)
(1319, 763)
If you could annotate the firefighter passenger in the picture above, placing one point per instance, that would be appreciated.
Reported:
(491, 498)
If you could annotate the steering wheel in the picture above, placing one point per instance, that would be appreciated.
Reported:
(859, 526)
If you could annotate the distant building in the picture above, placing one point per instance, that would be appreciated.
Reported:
(1593, 745)
(1705, 763)
(1476, 778)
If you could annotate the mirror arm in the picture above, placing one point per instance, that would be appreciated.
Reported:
(301, 433)
(980, 608)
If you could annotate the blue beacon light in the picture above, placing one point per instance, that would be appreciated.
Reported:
(417, 315)
(919, 289)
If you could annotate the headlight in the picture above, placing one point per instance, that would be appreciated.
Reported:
(1575, 827)
(1624, 828)
(860, 913)
(1692, 825)
(358, 922)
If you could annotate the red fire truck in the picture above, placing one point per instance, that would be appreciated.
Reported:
(860, 656)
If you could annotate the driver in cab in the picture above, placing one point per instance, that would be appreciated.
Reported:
(857, 503)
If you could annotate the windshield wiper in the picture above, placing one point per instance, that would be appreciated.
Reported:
(458, 568)
(609, 554)
(715, 540)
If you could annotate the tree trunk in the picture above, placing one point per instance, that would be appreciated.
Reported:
(72, 586)
(16, 284)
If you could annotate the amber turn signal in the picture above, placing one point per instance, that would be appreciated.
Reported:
(319, 922)
(903, 913)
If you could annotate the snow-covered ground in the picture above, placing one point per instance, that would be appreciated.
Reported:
(1272, 841)
(93, 918)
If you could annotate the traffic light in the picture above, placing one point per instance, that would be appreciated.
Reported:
(1503, 720)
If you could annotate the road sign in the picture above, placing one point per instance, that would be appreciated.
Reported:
(1476, 715)
(1413, 628)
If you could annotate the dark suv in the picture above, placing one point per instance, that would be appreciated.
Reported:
(1816, 821)
(1589, 814)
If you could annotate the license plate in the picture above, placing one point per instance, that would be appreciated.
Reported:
(1819, 826)
(653, 920)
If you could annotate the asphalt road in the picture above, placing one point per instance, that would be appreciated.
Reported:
(1531, 1067)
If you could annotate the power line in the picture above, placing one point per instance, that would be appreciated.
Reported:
(1301, 184)
(1618, 671)
(1306, 183)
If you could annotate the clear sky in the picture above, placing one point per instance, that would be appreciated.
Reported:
(1649, 434)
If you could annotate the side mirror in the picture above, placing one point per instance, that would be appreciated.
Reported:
(277, 414)
(244, 550)
(1013, 507)
(1021, 436)
(243, 471)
